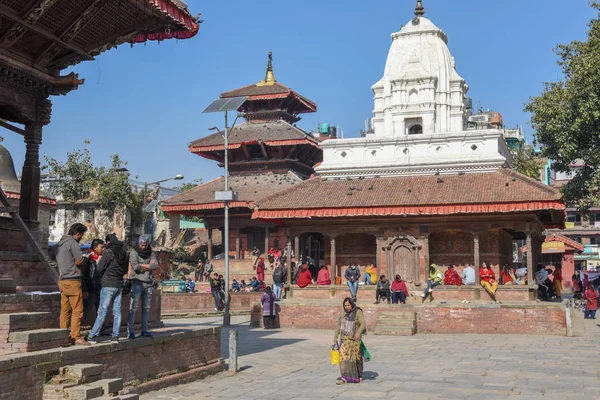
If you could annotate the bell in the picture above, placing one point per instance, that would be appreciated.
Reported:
(8, 177)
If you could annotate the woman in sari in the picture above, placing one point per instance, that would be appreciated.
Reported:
(350, 327)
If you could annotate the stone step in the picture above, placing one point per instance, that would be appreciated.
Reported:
(83, 392)
(394, 328)
(386, 315)
(120, 397)
(394, 333)
(35, 340)
(82, 373)
(110, 385)
(24, 321)
(396, 322)
(8, 286)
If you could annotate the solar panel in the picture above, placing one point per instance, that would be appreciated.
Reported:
(222, 105)
(151, 206)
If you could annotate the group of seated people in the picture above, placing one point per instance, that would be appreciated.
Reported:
(253, 286)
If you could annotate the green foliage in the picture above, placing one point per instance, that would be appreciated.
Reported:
(566, 116)
(79, 179)
(526, 163)
(75, 178)
(114, 190)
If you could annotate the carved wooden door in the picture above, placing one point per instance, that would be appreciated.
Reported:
(404, 264)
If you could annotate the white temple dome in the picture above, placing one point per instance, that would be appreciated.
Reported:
(420, 85)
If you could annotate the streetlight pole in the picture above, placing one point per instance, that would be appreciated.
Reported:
(226, 314)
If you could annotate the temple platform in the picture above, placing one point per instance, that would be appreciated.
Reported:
(453, 317)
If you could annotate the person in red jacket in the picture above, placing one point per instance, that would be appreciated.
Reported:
(304, 277)
(260, 269)
(399, 291)
(591, 296)
(451, 277)
(324, 277)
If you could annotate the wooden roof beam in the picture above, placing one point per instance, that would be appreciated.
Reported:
(246, 152)
(12, 128)
(17, 30)
(263, 149)
(8, 13)
(69, 31)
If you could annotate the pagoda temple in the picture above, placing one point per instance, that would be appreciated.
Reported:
(267, 154)
(420, 189)
(38, 40)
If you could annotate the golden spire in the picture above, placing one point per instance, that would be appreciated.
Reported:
(269, 76)
(419, 9)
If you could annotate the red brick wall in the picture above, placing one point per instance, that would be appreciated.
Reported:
(353, 248)
(51, 303)
(201, 302)
(535, 319)
(23, 376)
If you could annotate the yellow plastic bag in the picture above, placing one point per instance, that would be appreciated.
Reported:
(334, 355)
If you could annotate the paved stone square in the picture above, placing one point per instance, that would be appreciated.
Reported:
(294, 364)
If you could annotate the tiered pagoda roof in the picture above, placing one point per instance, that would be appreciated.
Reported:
(267, 153)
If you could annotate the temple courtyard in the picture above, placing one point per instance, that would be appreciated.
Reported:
(294, 364)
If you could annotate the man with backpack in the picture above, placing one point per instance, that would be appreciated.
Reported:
(113, 266)
(279, 279)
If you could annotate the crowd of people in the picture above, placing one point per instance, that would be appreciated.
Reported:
(89, 284)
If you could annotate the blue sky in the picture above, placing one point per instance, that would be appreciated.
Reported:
(145, 102)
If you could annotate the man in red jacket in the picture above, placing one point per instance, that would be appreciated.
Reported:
(399, 291)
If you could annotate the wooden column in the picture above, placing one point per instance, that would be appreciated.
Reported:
(476, 260)
(267, 240)
(209, 251)
(333, 270)
(237, 244)
(378, 245)
(297, 249)
(425, 251)
(289, 266)
(30, 178)
(530, 266)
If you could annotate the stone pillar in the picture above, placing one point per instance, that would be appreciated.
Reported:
(209, 251)
(530, 265)
(288, 255)
(333, 270)
(297, 249)
(266, 240)
(237, 244)
(30, 178)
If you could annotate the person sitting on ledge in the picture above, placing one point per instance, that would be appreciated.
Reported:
(451, 277)
(352, 276)
(254, 285)
(506, 275)
(304, 277)
(383, 290)
(235, 286)
(324, 277)
(488, 280)
(399, 291)
(468, 275)
(521, 276)
(435, 279)
(370, 277)
(243, 285)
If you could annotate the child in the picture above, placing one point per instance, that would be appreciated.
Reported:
(591, 296)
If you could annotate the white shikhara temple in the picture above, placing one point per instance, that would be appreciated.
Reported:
(419, 116)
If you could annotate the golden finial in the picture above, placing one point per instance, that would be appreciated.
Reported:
(419, 9)
(269, 76)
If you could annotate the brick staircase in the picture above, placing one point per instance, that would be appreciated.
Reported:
(82, 382)
(396, 323)
(29, 331)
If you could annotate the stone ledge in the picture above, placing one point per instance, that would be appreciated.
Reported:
(65, 355)
(38, 336)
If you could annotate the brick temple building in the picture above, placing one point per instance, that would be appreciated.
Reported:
(267, 154)
(421, 188)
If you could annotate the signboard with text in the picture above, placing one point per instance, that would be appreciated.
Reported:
(553, 247)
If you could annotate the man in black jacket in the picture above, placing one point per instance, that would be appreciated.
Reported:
(91, 282)
(112, 267)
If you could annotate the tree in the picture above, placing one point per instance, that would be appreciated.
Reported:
(189, 185)
(114, 190)
(566, 117)
(75, 178)
(526, 163)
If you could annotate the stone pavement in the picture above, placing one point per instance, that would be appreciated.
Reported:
(294, 364)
